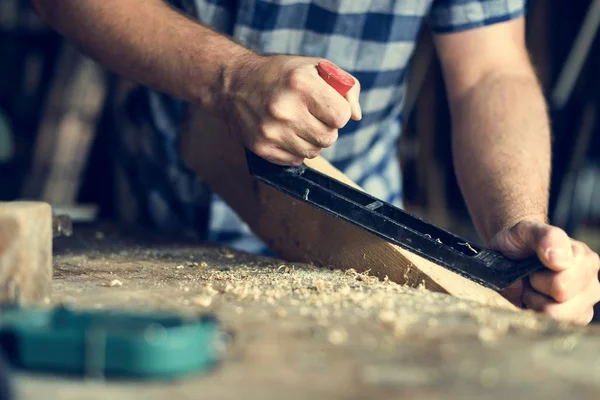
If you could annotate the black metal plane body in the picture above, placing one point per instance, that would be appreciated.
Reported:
(484, 266)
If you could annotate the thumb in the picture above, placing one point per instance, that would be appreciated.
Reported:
(336, 76)
(552, 244)
(352, 97)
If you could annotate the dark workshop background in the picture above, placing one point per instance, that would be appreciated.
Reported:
(60, 113)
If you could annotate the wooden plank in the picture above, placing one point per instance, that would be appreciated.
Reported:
(299, 232)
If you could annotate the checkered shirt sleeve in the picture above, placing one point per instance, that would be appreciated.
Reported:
(448, 16)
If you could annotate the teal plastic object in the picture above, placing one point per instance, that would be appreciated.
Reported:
(110, 344)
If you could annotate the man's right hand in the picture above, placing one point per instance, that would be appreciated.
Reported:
(282, 110)
(277, 106)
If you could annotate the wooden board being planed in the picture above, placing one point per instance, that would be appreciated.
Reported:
(299, 232)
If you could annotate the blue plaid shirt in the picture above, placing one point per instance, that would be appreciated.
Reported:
(373, 40)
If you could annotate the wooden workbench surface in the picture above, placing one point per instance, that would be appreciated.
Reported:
(306, 333)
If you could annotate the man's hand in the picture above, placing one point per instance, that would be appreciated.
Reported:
(282, 110)
(568, 289)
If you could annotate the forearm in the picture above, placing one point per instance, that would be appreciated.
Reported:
(501, 149)
(150, 43)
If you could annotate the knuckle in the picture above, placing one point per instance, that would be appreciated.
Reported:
(296, 79)
(296, 161)
(520, 233)
(262, 150)
(328, 139)
(276, 109)
(341, 117)
(560, 290)
(267, 133)
(588, 317)
(312, 153)
(554, 234)
(255, 146)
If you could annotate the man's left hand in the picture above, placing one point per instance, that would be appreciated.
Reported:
(569, 288)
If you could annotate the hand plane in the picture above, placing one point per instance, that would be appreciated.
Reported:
(486, 267)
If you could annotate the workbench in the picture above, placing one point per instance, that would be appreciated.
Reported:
(300, 332)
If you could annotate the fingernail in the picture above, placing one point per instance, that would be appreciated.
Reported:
(558, 256)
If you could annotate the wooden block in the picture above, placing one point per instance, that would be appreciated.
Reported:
(300, 232)
(25, 252)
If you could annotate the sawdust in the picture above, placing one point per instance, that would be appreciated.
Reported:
(203, 301)
(337, 336)
(280, 313)
(341, 307)
(468, 246)
(113, 283)
(328, 296)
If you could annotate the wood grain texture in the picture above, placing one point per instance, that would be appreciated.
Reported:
(25, 252)
(297, 231)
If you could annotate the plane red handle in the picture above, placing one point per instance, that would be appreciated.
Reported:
(337, 78)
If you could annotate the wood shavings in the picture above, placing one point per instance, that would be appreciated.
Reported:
(487, 335)
(387, 316)
(321, 285)
(337, 336)
(203, 301)
(113, 283)
(344, 290)
(280, 313)
(567, 343)
(179, 267)
(210, 290)
(468, 246)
